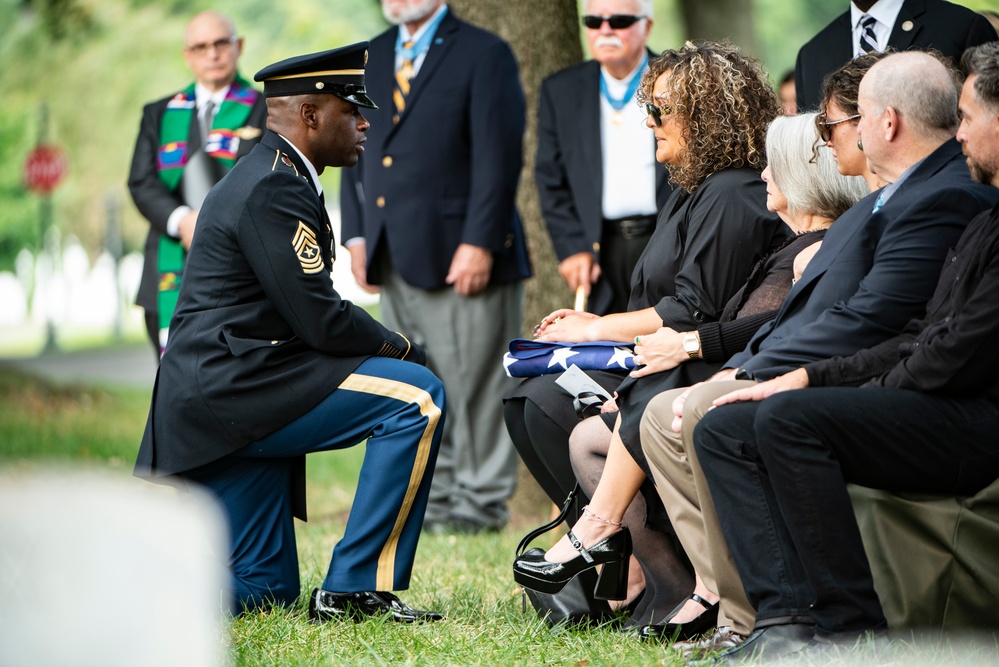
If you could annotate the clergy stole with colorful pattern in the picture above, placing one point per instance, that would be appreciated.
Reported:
(221, 145)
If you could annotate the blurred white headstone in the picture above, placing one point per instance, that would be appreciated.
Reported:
(14, 300)
(108, 571)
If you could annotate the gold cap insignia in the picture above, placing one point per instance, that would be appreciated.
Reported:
(320, 85)
(307, 249)
(365, 56)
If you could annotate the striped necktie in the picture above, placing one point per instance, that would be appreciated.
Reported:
(402, 78)
(868, 40)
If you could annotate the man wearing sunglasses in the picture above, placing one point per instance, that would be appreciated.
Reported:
(877, 25)
(597, 177)
(186, 142)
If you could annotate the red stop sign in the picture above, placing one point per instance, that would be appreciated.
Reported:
(44, 168)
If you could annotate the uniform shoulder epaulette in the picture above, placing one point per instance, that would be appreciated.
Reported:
(283, 159)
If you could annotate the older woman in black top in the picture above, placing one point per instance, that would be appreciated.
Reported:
(708, 107)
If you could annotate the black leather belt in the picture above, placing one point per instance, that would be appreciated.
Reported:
(631, 228)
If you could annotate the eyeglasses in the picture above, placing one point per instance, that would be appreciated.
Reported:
(219, 45)
(825, 126)
(657, 112)
(617, 21)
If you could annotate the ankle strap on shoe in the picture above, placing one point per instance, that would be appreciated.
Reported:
(575, 541)
(701, 601)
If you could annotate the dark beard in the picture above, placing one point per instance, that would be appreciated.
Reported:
(979, 173)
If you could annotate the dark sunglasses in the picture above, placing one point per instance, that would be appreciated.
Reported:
(657, 113)
(617, 21)
(825, 126)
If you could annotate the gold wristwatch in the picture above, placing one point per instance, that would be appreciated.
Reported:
(692, 344)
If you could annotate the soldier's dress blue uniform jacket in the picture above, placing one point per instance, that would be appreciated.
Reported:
(260, 336)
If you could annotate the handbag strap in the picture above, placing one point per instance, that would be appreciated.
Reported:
(541, 530)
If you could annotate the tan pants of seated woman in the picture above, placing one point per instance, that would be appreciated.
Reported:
(685, 493)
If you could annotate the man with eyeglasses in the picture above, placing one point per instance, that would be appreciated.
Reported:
(598, 181)
(186, 142)
(923, 420)
(876, 269)
(878, 25)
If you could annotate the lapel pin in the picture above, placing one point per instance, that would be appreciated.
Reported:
(907, 26)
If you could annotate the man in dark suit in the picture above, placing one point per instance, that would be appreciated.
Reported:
(598, 181)
(925, 421)
(428, 215)
(207, 126)
(266, 363)
(877, 267)
(882, 24)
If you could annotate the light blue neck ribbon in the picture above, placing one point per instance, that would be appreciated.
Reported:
(422, 45)
(617, 105)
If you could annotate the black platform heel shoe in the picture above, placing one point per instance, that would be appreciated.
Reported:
(531, 570)
(668, 631)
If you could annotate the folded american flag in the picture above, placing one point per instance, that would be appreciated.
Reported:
(528, 358)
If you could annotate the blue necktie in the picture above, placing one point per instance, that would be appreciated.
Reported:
(877, 205)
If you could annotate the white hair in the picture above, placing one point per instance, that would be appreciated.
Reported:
(645, 7)
(810, 182)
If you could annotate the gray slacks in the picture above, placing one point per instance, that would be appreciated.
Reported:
(465, 339)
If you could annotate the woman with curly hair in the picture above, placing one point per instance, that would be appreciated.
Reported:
(808, 193)
(708, 107)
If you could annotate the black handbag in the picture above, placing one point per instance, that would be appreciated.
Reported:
(574, 604)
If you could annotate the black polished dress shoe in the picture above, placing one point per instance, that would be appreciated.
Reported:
(669, 632)
(769, 643)
(531, 570)
(326, 606)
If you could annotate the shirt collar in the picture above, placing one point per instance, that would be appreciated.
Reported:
(308, 165)
(885, 11)
(202, 95)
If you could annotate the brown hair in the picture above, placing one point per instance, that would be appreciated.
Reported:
(842, 85)
(723, 103)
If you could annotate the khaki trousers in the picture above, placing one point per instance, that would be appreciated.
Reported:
(684, 491)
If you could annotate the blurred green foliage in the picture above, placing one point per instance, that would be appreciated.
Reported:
(94, 63)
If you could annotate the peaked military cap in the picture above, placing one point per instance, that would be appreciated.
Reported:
(337, 72)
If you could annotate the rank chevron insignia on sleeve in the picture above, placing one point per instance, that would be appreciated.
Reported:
(307, 249)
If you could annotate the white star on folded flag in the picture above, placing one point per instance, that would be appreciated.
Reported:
(621, 355)
(509, 360)
(559, 357)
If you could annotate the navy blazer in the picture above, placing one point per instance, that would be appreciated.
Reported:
(447, 172)
(943, 26)
(152, 197)
(874, 272)
(259, 336)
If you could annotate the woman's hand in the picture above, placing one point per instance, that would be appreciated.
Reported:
(566, 326)
(658, 352)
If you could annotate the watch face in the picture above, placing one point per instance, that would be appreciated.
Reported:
(690, 344)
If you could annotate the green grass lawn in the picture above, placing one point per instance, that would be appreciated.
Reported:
(467, 578)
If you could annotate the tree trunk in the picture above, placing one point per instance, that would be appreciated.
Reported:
(721, 20)
(543, 42)
(543, 45)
